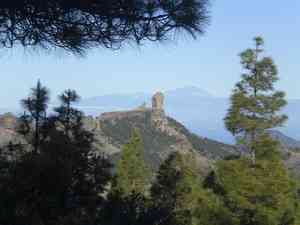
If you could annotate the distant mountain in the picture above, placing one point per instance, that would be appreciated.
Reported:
(198, 110)
(11, 110)
(161, 136)
(115, 101)
(288, 143)
(188, 91)
(129, 101)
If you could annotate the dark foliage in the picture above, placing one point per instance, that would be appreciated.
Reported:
(62, 183)
(130, 210)
(164, 191)
(68, 117)
(211, 182)
(33, 120)
(66, 183)
(76, 25)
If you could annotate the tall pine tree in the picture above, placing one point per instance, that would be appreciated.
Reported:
(67, 115)
(63, 182)
(254, 102)
(35, 115)
(127, 202)
(179, 198)
(264, 195)
(78, 25)
(258, 191)
(132, 175)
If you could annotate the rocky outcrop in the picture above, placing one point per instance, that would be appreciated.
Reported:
(161, 134)
(158, 116)
(8, 121)
(158, 101)
(9, 136)
(120, 115)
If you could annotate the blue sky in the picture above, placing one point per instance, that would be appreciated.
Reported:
(211, 62)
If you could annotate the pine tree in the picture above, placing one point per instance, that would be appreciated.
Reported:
(68, 115)
(132, 175)
(254, 102)
(179, 198)
(259, 191)
(78, 25)
(265, 195)
(63, 182)
(36, 106)
(127, 201)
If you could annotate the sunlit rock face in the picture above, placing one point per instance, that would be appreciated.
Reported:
(158, 101)
(8, 121)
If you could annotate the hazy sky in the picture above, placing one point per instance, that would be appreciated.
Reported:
(210, 62)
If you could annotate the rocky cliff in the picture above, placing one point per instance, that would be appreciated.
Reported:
(161, 135)
(8, 123)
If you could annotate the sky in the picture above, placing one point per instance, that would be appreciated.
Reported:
(211, 62)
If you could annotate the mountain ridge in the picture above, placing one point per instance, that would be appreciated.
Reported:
(202, 114)
(161, 134)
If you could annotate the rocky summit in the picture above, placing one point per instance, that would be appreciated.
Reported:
(161, 135)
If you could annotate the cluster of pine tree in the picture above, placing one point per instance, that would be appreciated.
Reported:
(57, 178)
